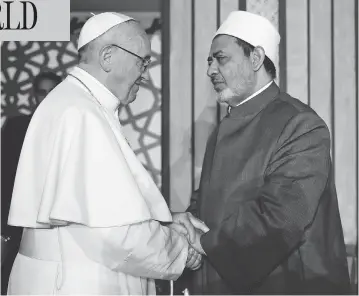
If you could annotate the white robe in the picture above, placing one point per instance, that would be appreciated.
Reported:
(90, 210)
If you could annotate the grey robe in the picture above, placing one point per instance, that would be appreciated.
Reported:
(267, 193)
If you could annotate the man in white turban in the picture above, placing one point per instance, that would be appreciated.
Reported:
(90, 211)
(267, 190)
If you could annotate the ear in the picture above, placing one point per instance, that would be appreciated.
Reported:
(105, 58)
(257, 56)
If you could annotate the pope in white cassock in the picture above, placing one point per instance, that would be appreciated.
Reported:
(90, 211)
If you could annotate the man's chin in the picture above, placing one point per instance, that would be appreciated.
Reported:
(225, 95)
(128, 101)
(222, 100)
(132, 98)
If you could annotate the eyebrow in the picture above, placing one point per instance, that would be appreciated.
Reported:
(214, 55)
(217, 53)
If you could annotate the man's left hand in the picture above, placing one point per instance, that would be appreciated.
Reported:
(194, 259)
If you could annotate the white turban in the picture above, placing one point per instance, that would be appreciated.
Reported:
(99, 24)
(253, 29)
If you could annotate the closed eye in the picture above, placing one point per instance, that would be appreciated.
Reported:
(221, 59)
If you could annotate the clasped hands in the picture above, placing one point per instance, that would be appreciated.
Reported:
(193, 228)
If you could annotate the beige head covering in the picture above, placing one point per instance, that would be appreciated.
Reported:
(254, 29)
(99, 24)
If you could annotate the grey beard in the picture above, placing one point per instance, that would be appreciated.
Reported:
(225, 95)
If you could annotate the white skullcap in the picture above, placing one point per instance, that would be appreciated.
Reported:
(99, 24)
(253, 29)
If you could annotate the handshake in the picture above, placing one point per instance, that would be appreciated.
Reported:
(193, 228)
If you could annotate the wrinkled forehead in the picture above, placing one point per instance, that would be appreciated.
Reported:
(224, 43)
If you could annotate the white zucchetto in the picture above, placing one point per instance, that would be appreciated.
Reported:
(99, 24)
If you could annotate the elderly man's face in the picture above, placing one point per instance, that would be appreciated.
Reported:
(230, 70)
(140, 69)
(130, 68)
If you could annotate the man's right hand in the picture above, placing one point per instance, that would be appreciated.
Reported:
(187, 224)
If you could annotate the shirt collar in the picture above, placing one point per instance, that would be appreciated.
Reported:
(252, 95)
(104, 96)
(256, 93)
(257, 103)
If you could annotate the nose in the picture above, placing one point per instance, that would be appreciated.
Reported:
(212, 69)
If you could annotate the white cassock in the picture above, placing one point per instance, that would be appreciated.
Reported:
(90, 210)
